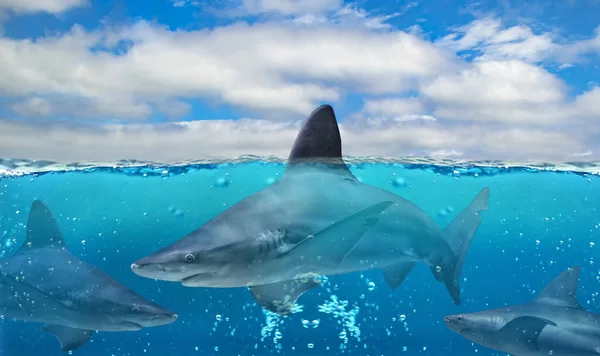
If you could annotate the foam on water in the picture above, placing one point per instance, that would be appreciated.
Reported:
(17, 167)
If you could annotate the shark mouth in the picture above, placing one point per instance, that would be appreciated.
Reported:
(192, 281)
(131, 326)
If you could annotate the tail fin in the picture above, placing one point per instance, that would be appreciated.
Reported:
(459, 234)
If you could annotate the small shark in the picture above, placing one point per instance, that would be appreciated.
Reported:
(552, 324)
(44, 283)
(318, 219)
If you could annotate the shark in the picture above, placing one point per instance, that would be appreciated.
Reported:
(317, 219)
(554, 323)
(44, 283)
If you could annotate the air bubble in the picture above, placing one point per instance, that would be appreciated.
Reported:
(222, 182)
(399, 182)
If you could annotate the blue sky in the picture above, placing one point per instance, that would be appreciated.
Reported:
(179, 79)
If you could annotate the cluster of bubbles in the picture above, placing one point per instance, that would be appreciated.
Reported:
(347, 318)
(402, 319)
(308, 324)
(273, 324)
(6, 241)
(335, 307)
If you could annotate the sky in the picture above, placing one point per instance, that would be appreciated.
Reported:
(172, 80)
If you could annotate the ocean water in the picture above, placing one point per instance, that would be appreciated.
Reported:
(541, 220)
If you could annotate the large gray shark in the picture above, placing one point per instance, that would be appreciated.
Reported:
(46, 284)
(317, 219)
(552, 324)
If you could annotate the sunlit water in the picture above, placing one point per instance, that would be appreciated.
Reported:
(540, 222)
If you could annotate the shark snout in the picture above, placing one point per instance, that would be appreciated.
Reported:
(166, 265)
(167, 318)
(453, 319)
(136, 267)
(158, 319)
(160, 269)
(149, 267)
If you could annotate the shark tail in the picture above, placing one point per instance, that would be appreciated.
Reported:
(459, 234)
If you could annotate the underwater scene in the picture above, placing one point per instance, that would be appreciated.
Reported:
(299, 177)
(539, 223)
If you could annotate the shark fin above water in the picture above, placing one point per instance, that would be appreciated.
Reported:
(319, 140)
(69, 338)
(42, 229)
(281, 297)
(524, 331)
(562, 291)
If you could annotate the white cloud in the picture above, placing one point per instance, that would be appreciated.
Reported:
(421, 98)
(492, 41)
(228, 139)
(49, 6)
(306, 12)
(394, 106)
(272, 66)
(351, 14)
(174, 109)
(265, 8)
(182, 3)
(82, 108)
(290, 7)
(587, 105)
(33, 107)
(380, 112)
(576, 51)
(509, 91)
(446, 154)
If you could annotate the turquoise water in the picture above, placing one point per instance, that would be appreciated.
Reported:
(539, 223)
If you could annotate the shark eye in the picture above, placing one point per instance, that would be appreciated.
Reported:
(459, 317)
(189, 258)
(135, 310)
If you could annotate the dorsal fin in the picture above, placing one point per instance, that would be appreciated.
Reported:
(319, 141)
(42, 229)
(562, 291)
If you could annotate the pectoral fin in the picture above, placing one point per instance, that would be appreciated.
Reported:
(69, 338)
(338, 240)
(524, 331)
(280, 297)
(17, 293)
(395, 275)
